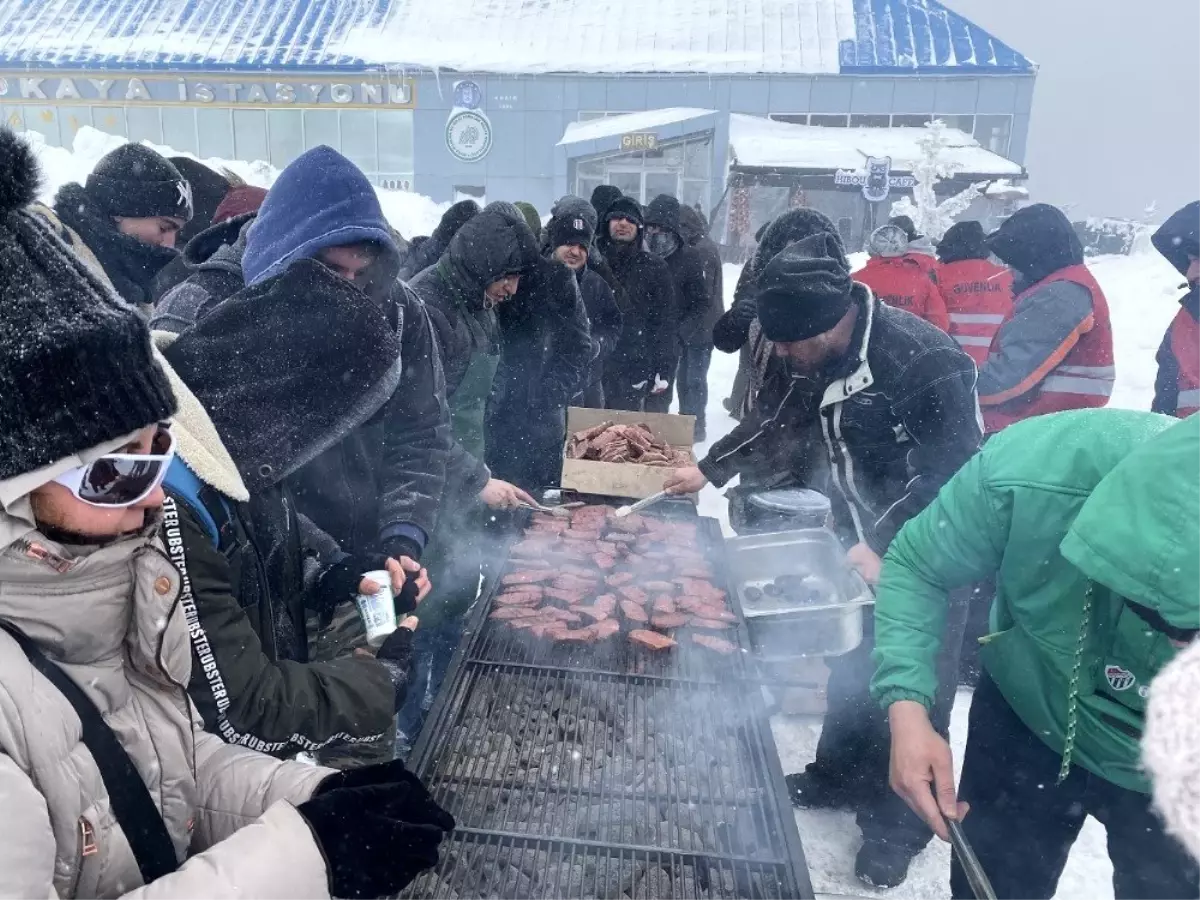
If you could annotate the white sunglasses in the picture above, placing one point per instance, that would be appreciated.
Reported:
(117, 480)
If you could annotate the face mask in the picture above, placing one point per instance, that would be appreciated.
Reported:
(662, 243)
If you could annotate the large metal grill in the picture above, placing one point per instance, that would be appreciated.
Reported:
(602, 771)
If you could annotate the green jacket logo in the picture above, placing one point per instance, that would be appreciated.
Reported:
(1119, 679)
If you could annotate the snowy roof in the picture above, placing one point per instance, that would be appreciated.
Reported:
(765, 144)
(505, 36)
(612, 126)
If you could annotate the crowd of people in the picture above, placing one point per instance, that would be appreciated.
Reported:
(220, 406)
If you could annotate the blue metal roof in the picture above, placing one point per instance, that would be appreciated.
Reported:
(897, 36)
(718, 36)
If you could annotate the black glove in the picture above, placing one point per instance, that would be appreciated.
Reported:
(396, 547)
(378, 837)
(339, 583)
(396, 655)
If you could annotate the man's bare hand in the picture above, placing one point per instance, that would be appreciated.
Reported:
(501, 495)
(922, 767)
(865, 562)
(685, 481)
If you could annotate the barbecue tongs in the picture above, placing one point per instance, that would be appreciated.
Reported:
(976, 877)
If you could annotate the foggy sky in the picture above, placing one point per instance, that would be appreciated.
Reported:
(1116, 109)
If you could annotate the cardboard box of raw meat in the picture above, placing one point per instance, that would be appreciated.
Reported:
(623, 479)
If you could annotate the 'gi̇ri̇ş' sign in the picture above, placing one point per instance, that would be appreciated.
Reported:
(639, 141)
(468, 130)
(876, 179)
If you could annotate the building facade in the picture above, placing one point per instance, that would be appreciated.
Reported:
(495, 98)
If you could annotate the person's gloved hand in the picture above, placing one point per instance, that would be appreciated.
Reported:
(377, 827)
(338, 584)
(396, 654)
(408, 553)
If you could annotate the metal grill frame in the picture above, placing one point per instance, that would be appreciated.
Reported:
(478, 661)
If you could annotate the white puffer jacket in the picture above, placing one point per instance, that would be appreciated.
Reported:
(109, 617)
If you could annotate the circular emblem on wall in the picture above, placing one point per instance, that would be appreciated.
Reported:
(467, 95)
(469, 136)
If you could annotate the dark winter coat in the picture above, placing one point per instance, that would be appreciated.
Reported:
(1177, 387)
(214, 262)
(647, 344)
(694, 229)
(897, 418)
(693, 301)
(424, 254)
(130, 264)
(604, 318)
(489, 246)
(278, 404)
(385, 479)
(545, 360)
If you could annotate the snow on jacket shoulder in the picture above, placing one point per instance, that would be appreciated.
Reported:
(110, 618)
(906, 284)
(1177, 385)
(1069, 513)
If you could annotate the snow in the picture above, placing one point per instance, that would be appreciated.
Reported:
(765, 143)
(1142, 292)
(611, 126)
(410, 214)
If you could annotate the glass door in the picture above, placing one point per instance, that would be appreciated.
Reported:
(655, 183)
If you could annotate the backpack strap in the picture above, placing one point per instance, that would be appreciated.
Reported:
(132, 805)
(207, 504)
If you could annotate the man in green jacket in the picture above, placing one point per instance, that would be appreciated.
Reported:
(1090, 523)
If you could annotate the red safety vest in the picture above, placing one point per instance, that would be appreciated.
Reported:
(904, 283)
(978, 296)
(1185, 345)
(1082, 379)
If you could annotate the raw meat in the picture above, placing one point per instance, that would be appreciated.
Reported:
(619, 579)
(651, 640)
(709, 624)
(660, 587)
(572, 636)
(633, 612)
(594, 613)
(605, 629)
(604, 561)
(519, 600)
(569, 582)
(568, 597)
(529, 576)
(560, 615)
(513, 612)
(665, 604)
(637, 595)
(626, 443)
(720, 645)
(669, 620)
(606, 602)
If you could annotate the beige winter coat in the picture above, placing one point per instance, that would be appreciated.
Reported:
(110, 617)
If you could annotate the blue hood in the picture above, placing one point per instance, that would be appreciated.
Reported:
(320, 200)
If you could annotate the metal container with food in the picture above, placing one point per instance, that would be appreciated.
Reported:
(797, 594)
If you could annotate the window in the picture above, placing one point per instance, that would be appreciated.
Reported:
(828, 121)
(179, 127)
(909, 121)
(790, 118)
(321, 127)
(71, 119)
(215, 130)
(697, 159)
(394, 129)
(869, 121)
(144, 123)
(250, 134)
(965, 124)
(694, 193)
(994, 132)
(285, 129)
(358, 138)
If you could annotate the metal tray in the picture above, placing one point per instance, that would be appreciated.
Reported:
(826, 622)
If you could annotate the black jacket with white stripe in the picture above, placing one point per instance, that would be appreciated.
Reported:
(898, 419)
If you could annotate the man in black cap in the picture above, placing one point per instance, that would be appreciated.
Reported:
(570, 235)
(644, 357)
(893, 401)
(128, 213)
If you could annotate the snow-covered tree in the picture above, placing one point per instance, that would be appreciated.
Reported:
(931, 217)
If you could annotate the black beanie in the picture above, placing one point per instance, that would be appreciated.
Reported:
(964, 240)
(76, 368)
(625, 208)
(804, 290)
(570, 229)
(603, 197)
(905, 224)
(209, 188)
(663, 212)
(136, 182)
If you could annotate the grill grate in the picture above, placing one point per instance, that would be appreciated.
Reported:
(605, 771)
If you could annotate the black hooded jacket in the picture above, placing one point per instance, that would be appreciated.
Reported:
(423, 255)
(386, 476)
(545, 360)
(495, 243)
(281, 378)
(1178, 240)
(130, 264)
(694, 229)
(693, 299)
(648, 336)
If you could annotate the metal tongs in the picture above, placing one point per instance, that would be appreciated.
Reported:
(976, 877)
(623, 511)
(561, 510)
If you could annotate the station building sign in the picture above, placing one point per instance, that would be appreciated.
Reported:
(227, 89)
(639, 141)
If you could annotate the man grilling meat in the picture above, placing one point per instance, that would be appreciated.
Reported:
(892, 399)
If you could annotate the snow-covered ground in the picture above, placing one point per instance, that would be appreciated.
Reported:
(1142, 292)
